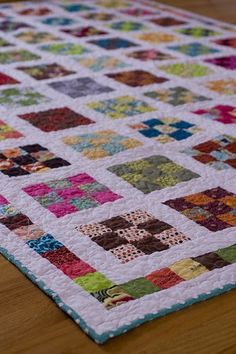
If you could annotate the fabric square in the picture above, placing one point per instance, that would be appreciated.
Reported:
(101, 144)
(211, 261)
(77, 7)
(152, 173)
(176, 96)
(99, 16)
(21, 97)
(10, 26)
(219, 153)
(127, 26)
(167, 21)
(139, 287)
(7, 80)
(28, 159)
(221, 113)
(132, 234)
(187, 70)
(7, 132)
(84, 31)
(121, 107)
(126, 252)
(197, 32)
(113, 43)
(193, 49)
(14, 56)
(65, 49)
(164, 278)
(223, 87)
(59, 197)
(4, 43)
(228, 254)
(208, 208)
(12, 219)
(157, 37)
(80, 87)
(138, 12)
(149, 54)
(188, 268)
(76, 268)
(56, 119)
(228, 42)
(30, 11)
(29, 232)
(228, 62)
(93, 282)
(112, 297)
(137, 78)
(58, 21)
(166, 130)
(46, 71)
(103, 62)
(44, 244)
(32, 37)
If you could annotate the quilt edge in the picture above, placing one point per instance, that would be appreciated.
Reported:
(102, 338)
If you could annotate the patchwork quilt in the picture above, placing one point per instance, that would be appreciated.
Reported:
(118, 157)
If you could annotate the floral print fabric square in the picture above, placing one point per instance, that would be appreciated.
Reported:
(56, 119)
(212, 208)
(166, 130)
(15, 56)
(152, 173)
(46, 71)
(219, 152)
(72, 194)
(132, 235)
(193, 49)
(21, 97)
(137, 78)
(101, 144)
(7, 132)
(121, 107)
(27, 159)
(176, 96)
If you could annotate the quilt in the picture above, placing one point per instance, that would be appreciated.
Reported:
(118, 157)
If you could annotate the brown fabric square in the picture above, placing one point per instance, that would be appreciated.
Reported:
(167, 21)
(117, 223)
(204, 158)
(154, 226)
(211, 261)
(137, 78)
(109, 240)
(16, 221)
(149, 245)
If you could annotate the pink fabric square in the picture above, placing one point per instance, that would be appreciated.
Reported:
(70, 193)
(76, 268)
(81, 178)
(105, 196)
(3, 201)
(37, 190)
(62, 209)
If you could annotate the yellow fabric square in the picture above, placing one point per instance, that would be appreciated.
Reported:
(188, 268)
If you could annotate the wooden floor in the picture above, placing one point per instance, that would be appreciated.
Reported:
(32, 324)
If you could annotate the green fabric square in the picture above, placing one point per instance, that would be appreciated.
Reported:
(93, 282)
(139, 287)
(228, 254)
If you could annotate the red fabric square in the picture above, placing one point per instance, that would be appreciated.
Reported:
(164, 278)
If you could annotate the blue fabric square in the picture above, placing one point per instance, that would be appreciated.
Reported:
(153, 122)
(150, 133)
(113, 43)
(182, 125)
(180, 134)
(44, 244)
